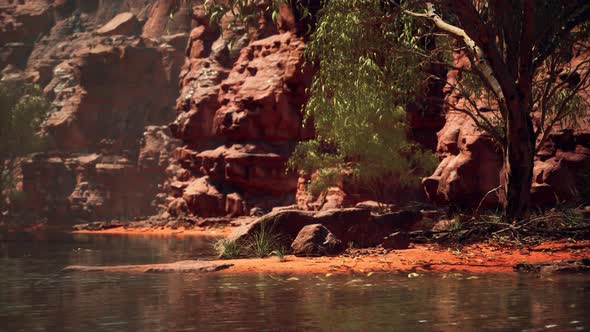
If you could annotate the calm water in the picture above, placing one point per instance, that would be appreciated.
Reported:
(35, 296)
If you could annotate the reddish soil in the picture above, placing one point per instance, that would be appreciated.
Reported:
(475, 258)
(181, 231)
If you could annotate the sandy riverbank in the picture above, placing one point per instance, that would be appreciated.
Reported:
(162, 231)
(477, 258)
(474, 258)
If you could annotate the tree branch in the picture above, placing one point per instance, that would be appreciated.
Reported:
(549, 43)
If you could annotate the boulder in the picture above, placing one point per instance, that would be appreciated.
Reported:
(122, 24)
(285, 223)
(349, 225)
(205, 197)
(397, 240)
(177, 207)
(316, 240)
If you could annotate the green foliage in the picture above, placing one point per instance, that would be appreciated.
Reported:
(366, 76)
(261, 243)
(6, 182)
(247, 12)
(22, 110)
(227, 249)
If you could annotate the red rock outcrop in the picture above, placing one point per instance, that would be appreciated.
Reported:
(471, 163)
(122, 24)
(239, 118)
(111, 70)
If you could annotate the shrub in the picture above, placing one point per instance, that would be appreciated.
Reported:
(22, 110)
(358, 101)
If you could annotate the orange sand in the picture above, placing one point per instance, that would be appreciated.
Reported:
(181, 231)
(477, 258)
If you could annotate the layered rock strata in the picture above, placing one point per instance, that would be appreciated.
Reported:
(110, 69)
(239, 118)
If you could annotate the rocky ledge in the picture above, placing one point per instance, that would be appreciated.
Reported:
(181, 266)
(566, 266)
(328, 232)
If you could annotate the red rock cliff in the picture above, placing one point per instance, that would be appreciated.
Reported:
(239, 118)
(110, 68)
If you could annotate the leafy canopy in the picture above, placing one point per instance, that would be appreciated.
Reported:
(366, 76)
(22, 110)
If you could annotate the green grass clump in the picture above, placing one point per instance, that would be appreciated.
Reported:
(280, 253)
(263, 242)
(227, 249)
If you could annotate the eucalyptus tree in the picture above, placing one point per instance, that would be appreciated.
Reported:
(529, 61)
(529, 66)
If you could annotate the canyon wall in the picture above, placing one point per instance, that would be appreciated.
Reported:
(110, 69)
(238, 117)
(152, 113)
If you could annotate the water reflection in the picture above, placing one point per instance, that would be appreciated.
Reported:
(35, 296)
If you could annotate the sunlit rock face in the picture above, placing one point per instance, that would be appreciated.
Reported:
(110, 69)
(471, 163)
(239, 118)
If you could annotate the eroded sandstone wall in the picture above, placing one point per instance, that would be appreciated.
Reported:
(239, 118)
(119, 71)
(110, 69)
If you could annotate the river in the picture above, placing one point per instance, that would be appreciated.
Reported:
(36, 296)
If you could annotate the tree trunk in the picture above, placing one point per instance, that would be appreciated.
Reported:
(3, 184)
(518, 164)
